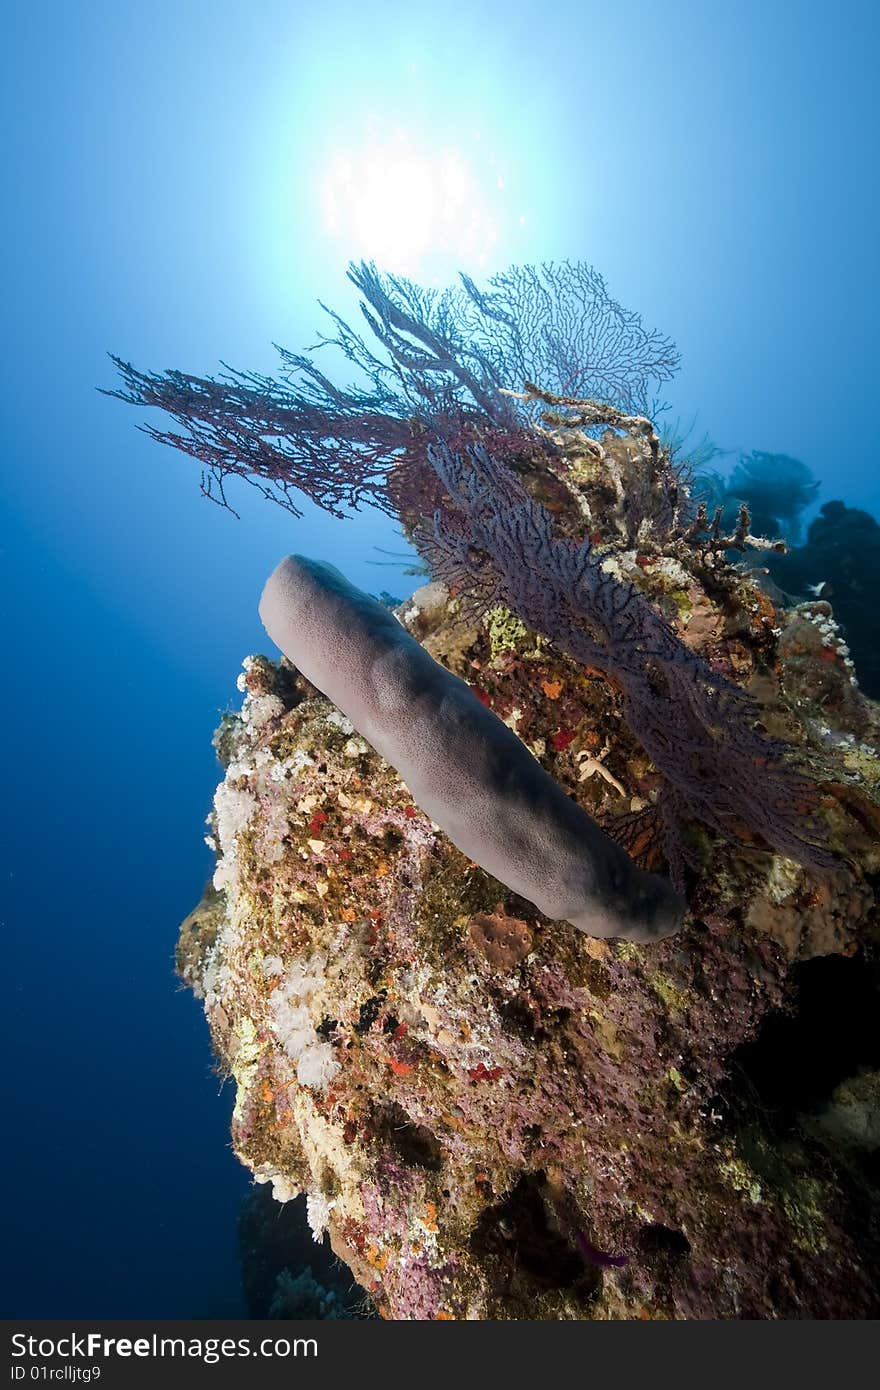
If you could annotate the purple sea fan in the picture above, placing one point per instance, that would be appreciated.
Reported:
(496, 544)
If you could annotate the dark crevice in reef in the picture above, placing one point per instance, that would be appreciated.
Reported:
(520, 1020)
(801, 1054)
(413, 1144)
(521, 1234)
(662, 1241)
(784, 1088)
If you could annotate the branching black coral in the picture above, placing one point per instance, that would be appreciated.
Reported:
(496, 545)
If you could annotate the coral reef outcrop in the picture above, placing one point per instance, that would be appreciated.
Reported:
(492, 1115)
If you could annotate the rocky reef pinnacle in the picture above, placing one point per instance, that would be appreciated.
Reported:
(493, 1115)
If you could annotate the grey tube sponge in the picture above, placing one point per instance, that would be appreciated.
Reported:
(465, 768)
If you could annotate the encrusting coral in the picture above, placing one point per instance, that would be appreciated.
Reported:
(491, 1114)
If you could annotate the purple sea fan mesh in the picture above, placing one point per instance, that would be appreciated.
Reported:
(496, 545)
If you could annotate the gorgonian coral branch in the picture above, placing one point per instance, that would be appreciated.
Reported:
(495, 544)
(441, 354)
(282, 441)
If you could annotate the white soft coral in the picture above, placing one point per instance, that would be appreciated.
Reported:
(292, 1024)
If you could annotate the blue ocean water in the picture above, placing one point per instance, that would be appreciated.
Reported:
(179, 191)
